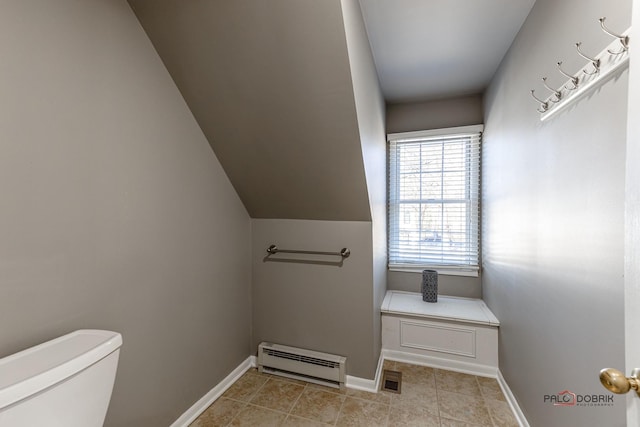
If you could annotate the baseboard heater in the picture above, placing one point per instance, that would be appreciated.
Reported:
(306, 365)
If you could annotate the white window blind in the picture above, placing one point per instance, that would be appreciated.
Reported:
(434, 193)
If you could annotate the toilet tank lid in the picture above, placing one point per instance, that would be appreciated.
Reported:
(34, 369)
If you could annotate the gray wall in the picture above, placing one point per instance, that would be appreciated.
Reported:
(115, 213)
(370, 112)
(287, 94)
(437, 114)
(458, 286)
(270, 85)
(329, 308)
(320, 307)
(553, 201)
(407, 117)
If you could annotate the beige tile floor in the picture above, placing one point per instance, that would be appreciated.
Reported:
(430, 398)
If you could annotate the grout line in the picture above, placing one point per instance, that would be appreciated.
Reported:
(435, 383)
(339, 411)
(237, 413)
(253, 396)
(296, 401)
(248, 402)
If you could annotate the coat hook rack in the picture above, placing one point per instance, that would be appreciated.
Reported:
(599, 69)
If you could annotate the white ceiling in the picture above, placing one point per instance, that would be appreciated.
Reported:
(434, 49)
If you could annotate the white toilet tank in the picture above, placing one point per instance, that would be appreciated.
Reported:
(65, 382)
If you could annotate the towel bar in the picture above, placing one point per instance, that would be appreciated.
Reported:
(273, 249)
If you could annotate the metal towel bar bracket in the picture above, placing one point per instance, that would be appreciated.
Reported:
(273, 249)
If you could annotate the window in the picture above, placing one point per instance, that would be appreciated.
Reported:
(434, 192)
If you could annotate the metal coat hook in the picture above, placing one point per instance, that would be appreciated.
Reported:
(624, 40)
(544, 105)
(595, 62)
(556, 93)
(573, 79)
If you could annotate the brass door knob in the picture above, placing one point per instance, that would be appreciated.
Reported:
(616, 382)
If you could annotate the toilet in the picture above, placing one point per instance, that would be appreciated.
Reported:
(63, 382)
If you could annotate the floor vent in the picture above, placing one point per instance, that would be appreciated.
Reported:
(312, 366)
(392, 381)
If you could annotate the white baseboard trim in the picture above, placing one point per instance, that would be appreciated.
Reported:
(205, 401)
(363, 384)
(436, 362)
(511, 399)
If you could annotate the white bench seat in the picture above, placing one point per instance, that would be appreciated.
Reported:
(454, 333)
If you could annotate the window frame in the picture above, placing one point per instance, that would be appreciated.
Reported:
(462, 269)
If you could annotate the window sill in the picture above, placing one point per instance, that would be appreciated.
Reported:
(445, 271)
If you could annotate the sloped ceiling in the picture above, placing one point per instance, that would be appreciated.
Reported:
(269, 84)
(437, 49)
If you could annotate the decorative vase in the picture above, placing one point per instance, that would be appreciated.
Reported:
(430, 286)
